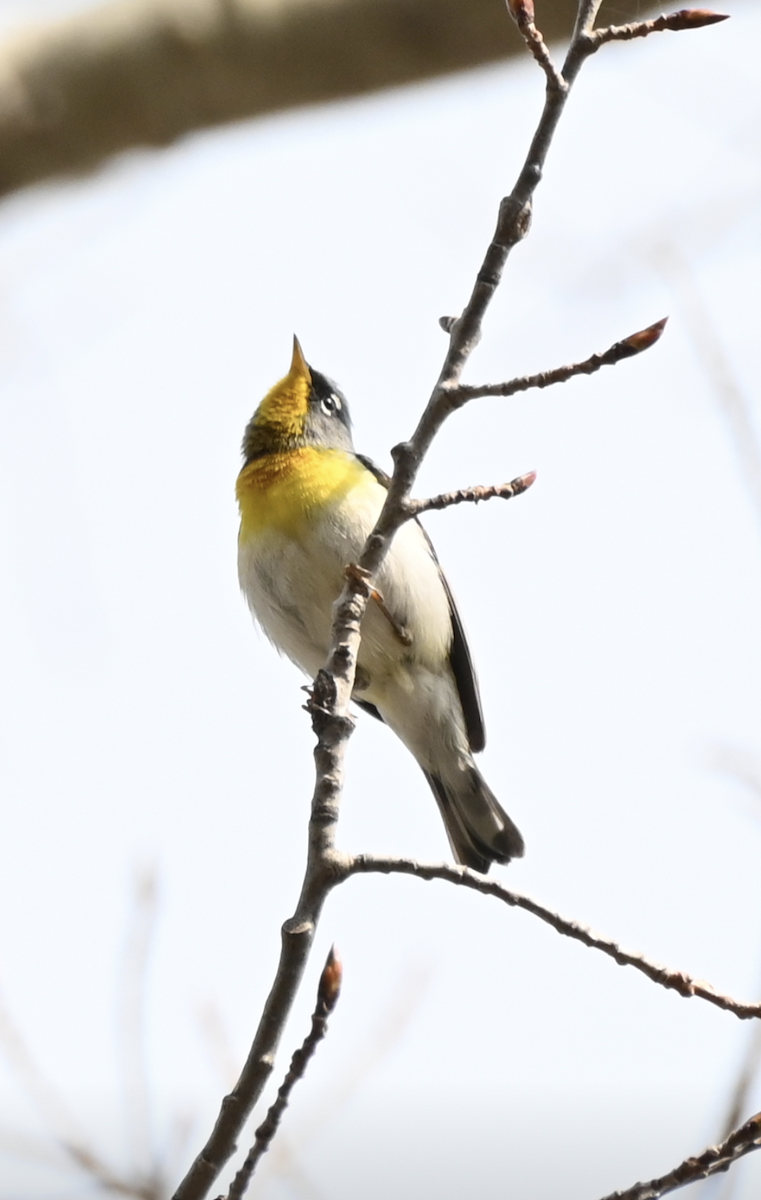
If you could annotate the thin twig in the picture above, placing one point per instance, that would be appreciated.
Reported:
(678, 981)
(686, 18)
(374, 1049)
(58, 1153)
(522, 12)
(473, 495)
(745, 1080)
(585, 18)
(626, 348)
(74, 1142)
(327, 997)
(713, 1160)
(285, 1157)
(61, 1122)
(35, 1085)
(284, 1163)
(738, 1101)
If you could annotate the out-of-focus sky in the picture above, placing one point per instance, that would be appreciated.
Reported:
(613, 613)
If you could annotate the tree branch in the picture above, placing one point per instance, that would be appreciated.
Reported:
(331, 695)
(627, 348)
(329, 705)
(145, 72)
(678, 981)
(327, 997)
(686, 18)
(710, 1162)
(473, 495)
(522, 12)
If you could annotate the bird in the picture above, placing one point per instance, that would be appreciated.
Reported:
(308, 501)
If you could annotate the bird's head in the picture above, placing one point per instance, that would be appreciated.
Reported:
(304, 409)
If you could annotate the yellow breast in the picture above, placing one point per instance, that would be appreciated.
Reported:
(284, 491)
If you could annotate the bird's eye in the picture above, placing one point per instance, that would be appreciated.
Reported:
(330, 404)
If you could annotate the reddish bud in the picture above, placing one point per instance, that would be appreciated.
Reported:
(330, 981)
(522, 11)
(524, 481)
(646, 338)
(694, 18)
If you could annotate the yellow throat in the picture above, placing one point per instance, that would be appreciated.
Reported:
(286, 490)
(286, 482)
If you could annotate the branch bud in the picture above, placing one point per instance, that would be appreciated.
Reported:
(695, 18)
(522, 12)
(330, 981)
(523, 482)
(644, 339)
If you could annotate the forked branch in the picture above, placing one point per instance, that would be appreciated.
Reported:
(331, 696)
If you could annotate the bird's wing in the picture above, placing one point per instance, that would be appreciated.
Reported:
(367, 707)
(459, 653)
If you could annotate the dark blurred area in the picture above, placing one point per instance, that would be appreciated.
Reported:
(76, 90)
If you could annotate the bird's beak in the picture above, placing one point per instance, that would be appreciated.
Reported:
(299, 365)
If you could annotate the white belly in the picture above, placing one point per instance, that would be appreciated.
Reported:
(291, 587)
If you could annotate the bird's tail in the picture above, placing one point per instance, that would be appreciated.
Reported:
(479, 830)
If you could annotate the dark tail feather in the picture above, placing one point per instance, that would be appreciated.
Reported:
(479, 830)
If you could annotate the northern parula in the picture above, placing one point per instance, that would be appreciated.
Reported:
(307, 503)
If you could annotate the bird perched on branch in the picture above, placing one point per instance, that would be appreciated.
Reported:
(307, 503)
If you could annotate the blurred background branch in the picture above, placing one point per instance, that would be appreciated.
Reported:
(716, 362)
(76, 1144)
(143, 73)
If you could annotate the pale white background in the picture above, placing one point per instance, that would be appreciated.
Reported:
(613, 612)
